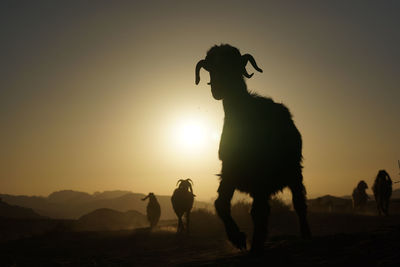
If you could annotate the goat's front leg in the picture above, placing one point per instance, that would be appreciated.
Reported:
(223, 207)
(300, 206)
(259, 212)
(386, 207)
(180, 224)
(187, 222)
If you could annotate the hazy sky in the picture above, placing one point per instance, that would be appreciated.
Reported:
(97, 95)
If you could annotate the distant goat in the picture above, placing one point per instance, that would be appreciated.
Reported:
(260, 146)
(182, 201)
(382, 189)
(153, 210)
(360, 197)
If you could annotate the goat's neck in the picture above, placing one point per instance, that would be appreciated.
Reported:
(236, 98)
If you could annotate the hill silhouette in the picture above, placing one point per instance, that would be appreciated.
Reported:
(11, 211)
(344, 204)
(109, 220)
(69, 204)
(69, 196)
(110, 194)
(330, 203)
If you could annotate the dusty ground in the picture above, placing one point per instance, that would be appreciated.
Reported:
(339, 239)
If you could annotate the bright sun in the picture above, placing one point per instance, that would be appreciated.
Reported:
(192, 134)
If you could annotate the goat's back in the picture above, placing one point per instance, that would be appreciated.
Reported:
(259, 135)
(382, 189)
(182, 201)
(360, 197)
(153, 210)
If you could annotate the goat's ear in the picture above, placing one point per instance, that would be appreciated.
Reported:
(146, 197)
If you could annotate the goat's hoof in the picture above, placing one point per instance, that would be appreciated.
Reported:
(257, 246)
(239, 240)
(257, 250)
(306, 234)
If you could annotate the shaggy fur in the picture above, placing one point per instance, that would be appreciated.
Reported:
(260, 146)
(153, 210)
(360, 197)
(182, 202)
(382, 189)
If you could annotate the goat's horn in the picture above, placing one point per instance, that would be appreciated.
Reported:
(191, 189)
(146, 197)
(180, 180)
(190, 180)
(200, 64)
(246, 58)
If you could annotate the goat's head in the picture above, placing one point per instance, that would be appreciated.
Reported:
(383, 175)
(226, 67)
(185, 184)
(362, 185)
(150, 195)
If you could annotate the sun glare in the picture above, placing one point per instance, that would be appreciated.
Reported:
(192, 135)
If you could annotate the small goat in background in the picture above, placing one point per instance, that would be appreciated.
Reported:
(382, 189)
(153, 210)
(360, 197)
(182, 201)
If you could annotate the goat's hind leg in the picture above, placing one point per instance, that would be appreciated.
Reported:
(187, 222)
(223, 208)
(300, 205)
(180, 225)
(385, 207)
(379, 211)
(259, 212)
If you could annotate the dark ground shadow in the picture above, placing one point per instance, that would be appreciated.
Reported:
(340, 239)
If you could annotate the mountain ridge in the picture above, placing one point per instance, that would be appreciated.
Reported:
(17, 212)
(71, 204)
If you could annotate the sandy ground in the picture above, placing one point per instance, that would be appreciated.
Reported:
(339, 239)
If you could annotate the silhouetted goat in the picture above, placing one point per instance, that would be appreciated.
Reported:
(360, 197)
(260, 146)
(182, 201)
(153, 210)
(382, 189)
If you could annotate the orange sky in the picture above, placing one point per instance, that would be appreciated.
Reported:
(93, 94)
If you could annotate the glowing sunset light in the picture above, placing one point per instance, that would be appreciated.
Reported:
(191, 135)
(105, 98)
